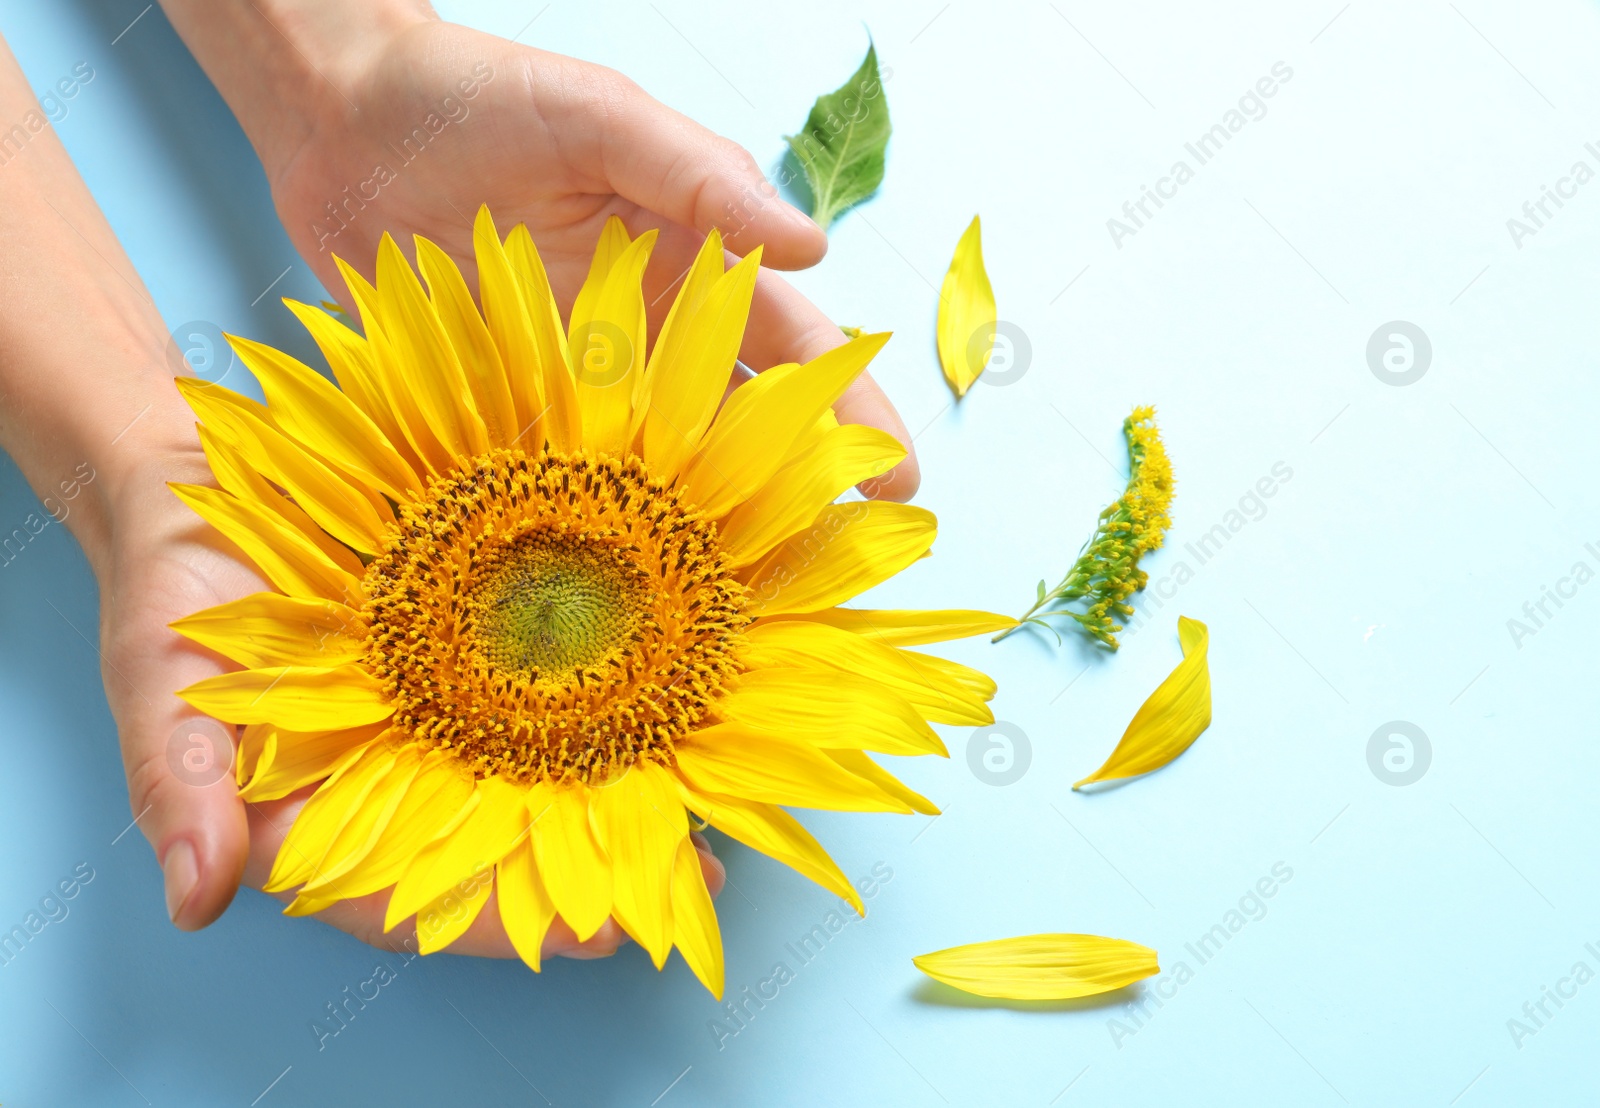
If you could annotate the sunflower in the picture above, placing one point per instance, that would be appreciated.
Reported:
(542, 600)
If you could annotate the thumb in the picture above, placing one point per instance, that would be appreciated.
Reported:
(666, 162)
(180, 766)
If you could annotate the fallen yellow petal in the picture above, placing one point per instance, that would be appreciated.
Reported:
(1172, 718)
(1041, 967)
(966, 314)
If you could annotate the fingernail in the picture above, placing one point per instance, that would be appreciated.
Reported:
(181, 873)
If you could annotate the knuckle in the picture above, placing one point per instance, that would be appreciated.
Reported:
(149, 781)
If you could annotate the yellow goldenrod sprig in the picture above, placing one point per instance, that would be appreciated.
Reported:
(1107, 572)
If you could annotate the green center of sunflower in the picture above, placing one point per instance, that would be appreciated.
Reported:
(554, 604)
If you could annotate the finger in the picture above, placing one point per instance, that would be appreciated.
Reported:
(180, 770)
(786, 327)
(716, 874)
(666, 162)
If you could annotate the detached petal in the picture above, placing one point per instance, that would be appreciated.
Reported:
(1041, 967)
(966, 314)
(1174, 716)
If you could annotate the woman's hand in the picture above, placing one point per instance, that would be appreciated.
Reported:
(374, 115)
(89, 413)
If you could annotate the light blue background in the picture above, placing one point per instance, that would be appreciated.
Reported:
(1377, 585)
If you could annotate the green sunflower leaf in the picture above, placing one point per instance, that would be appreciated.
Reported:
(841, 148)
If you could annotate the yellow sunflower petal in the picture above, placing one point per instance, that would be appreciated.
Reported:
(672, 339)
(392, 379)
(762, 419)
(526, 909)
(640, 822)
(953, 675)
(694, 921)
(354, 367)
(607, 351)
(355, 837)
(301, 698)
(235, 474)
(428, 367)
(561, 418)
(863, 766)
(309, 408)
(775, 833)
(469, 336)
(513, 332)
(738, 760)
(848, 549)
(497, 822)
(824, 651)
(344, 511)
(912, 627)
(1172, 718)
(291, 760)
(614, 241)
(690, 367)
(247, 753)
(269, 629)
(841, 711)
(331, 807)
(575, 869)
(844, 458)
(288, 559)
(446, 918)
(1041, 967)
(966, 314)
(811, 437)
(434, 804)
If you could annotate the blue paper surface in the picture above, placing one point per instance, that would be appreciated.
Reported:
(1371, 546)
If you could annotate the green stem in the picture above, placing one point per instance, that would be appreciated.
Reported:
(1070, 588)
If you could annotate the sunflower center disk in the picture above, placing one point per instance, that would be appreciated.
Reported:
(556, 605)
(552, 617)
